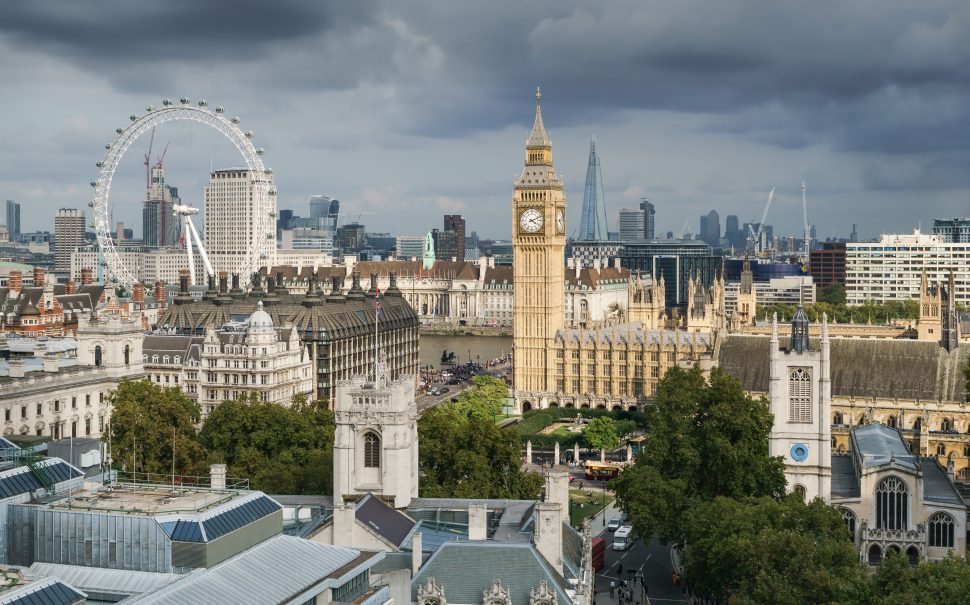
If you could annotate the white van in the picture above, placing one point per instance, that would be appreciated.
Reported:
(623, 538)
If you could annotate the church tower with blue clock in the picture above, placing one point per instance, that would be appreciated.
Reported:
(800, 396)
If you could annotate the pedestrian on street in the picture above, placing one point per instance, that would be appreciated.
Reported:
(612, 588)
(619, 569)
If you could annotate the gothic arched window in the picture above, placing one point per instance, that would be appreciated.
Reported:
(941, 450)
(849, 517)
(892, 504)
(799, 395)
(799, 492)
(941, 530)
(372, 450)
(891, 422)
(946, 425)
(97, 356)
(837, 418)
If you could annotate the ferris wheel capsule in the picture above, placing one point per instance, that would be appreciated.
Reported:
(220, 109)
(91, 204)
(94, 184)
(203, 103)
(108, 146)
(184, 101)
(166, 102)
(132, 117)
(119, 130)
(100, 164)
(235, 120)
(249, 134)
(260, 151)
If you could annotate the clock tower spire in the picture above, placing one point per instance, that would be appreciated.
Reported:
(538, 245)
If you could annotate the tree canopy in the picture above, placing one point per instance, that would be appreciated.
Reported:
(705, 438)
(600, 433)
(870, 312)
(280, 449)
(486, 400)
(463, 455)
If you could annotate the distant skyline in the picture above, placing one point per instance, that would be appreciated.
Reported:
(406, 111)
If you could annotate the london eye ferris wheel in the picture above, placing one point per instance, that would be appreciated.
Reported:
(263, 211)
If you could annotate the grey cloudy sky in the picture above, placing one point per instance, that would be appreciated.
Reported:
(405, 110)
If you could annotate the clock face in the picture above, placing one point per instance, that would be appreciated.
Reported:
(530, 221)
(799, 452)
(560, 221)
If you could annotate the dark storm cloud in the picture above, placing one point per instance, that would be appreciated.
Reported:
(127, 31)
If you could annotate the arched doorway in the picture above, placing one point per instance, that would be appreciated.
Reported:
(526, 406)
(617, 408)
(601, 406)
(875, 555)
(553, 404)
(585, 406)
(912, 555)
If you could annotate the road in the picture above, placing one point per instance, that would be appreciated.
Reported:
(652, 559)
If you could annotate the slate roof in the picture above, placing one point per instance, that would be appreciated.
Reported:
(862, 367)
(22, 480)
(383, 519)
(845, 483)
(937, 486)
(467, 568)
(48, 591)
(187, 347)
(633, 332)
(877, 445)
(277, 570)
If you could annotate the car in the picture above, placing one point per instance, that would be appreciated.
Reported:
(443, 390)
(454, 381)
(614, 524)
(434, 391)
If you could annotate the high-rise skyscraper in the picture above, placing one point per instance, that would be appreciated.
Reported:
(283, 222)
(649, 219)
(732, 231)
(455, 223)
(631, 225)
(13, 220)
(159, 227)
(230, 223)
(592, 223)
(68, 235)
(711, 228)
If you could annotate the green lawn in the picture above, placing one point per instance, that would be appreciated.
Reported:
(563, 432)
(577, 514)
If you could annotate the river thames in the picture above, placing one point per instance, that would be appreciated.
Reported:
(480, 348)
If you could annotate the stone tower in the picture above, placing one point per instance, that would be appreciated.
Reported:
(376, 438)
(647, 304)
(746, 310)
(112, 341)
(800, 395)
(930, 324)
(538, 242)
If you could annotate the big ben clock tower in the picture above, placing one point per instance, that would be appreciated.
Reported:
(538, 245)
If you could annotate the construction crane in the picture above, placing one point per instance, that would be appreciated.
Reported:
(807, 228)
(761, 225)
(685, 230)
(148, 159)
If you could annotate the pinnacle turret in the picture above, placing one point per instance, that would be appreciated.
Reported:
(538, 138)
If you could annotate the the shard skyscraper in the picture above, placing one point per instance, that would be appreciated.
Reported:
(592, 224)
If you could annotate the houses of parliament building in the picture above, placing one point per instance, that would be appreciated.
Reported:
(915, 384)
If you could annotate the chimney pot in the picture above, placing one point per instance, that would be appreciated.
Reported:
(39, 276)
(217, 476)
(16, 281)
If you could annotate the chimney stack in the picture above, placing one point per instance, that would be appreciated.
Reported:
(548, 533)
(39, 277)
(87, 276)
(138, 294)
(16, 367)
(417, 556)
(183, 283)
(50, 364)
(217, 476)
(344, 522)
(16, 281)
(71, 287)
(477, 522)
(223, 282)
(160, 292)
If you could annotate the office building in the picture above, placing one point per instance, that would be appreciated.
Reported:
(631, 225)
(160, 228)
(592, 222)
(350, 238)
(230, 222)
(283, 222)
(324, 211)
(649, 219)
(409, 246)
(891, 269)
(455, 223)
(68, 236)
(445, 245)
(827, 264)
(13, 220)
(733, 233)
(711, 229)
(952, 230)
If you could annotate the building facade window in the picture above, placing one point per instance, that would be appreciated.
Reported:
(799, 395)
(372, 450)
(849, 517)
(941, 530)
(892, 504)
(97, 356)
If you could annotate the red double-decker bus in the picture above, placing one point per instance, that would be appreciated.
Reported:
(599, 553)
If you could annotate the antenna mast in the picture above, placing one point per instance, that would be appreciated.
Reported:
(805, 221)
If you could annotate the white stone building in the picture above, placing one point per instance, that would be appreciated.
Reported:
(891, 268)
(240, 358)
(890, 497)
(63, 391)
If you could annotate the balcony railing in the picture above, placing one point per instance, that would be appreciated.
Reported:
(916, 535)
